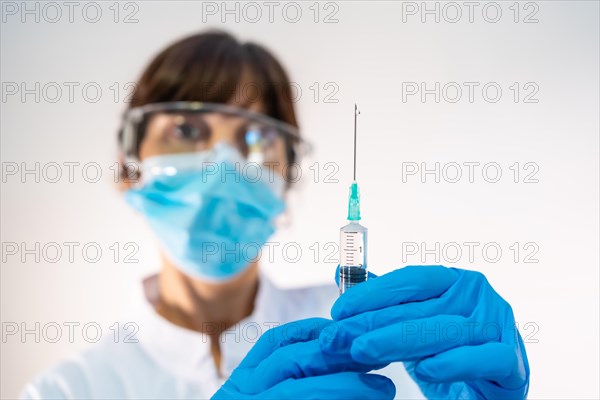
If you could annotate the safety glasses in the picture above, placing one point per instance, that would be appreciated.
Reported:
(195, 126)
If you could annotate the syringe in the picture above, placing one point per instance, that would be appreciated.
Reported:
(353, 237)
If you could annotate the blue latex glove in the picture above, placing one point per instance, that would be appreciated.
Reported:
(287, 363)
(456, 335)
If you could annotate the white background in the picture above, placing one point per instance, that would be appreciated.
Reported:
(366, 54)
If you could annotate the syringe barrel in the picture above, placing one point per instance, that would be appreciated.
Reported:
(353, 255)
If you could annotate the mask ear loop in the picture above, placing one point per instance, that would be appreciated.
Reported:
(297, 159)
(286, 218)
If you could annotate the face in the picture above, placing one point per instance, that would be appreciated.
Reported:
(172, 133)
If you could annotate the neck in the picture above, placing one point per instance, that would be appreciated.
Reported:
(206, 307)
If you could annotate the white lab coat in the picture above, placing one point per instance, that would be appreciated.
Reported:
(170, 362)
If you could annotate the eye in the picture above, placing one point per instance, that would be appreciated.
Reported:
(190, 129)
(186, 131)
(270, 135)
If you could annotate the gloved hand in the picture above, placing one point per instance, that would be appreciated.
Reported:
(287, 362)
(456, 335)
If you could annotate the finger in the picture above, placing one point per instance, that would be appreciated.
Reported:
(339, 336)
(295, 361)
(284, 335)
(344, 385)
(413, 283)
(413, 339)
(496, 362)
(337, 276)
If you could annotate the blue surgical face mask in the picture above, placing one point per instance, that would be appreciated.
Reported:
(212, 211)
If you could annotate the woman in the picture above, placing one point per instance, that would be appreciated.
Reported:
(206, 143)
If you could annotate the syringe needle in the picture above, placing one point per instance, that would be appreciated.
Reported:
(356, 112)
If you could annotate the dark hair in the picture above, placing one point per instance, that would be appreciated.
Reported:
(208, 67)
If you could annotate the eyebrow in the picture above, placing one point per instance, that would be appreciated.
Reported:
(251, 101)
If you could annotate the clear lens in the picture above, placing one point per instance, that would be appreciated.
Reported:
(259, 143)
(188, 127)
(188, 132)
